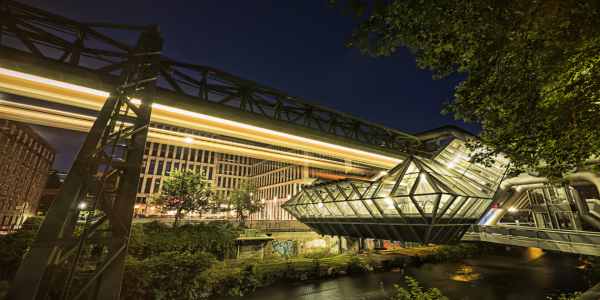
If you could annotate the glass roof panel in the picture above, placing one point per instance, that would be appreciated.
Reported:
(406, 184)
(387, 206)
(346, 209)
(360, 208)
(374, 211)
(466, 206)
(424, 186)
(333, 209)
(444, 201)
(426, 202)
(301, 210)
(407, 206)
(412, 168)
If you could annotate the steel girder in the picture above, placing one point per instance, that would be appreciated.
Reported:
(44, 34)
(121, 127)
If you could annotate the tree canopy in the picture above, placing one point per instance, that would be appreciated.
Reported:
(242, 199)
(534, 70)
(185, 190)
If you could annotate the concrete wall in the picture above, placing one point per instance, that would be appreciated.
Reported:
(295, 245)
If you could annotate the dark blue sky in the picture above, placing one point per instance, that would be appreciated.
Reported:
(294, 46)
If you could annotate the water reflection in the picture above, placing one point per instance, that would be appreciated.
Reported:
(521, 273)
(465, 273)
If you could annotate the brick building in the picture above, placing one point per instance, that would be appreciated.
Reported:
(25, 162)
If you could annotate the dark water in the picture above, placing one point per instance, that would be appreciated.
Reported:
(521, 274)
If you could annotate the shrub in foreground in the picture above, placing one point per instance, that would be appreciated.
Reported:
(417, 293)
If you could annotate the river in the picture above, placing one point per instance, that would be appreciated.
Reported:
(520, 274)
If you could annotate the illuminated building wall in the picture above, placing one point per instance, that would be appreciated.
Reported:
(25, 162)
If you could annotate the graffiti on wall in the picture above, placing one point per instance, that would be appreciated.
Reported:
(284, 248)
(391, 244)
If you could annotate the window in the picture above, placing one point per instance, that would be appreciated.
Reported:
(177, 166)
(148, 186)
(163, 150)
(218, 180)
(155, 149)
(198, 167)
(210, 170)
(193, 155)
(204, 171)
(144, 166)
(178, 153)
(156, 187)
(206, 157)
(151, 166)
(212, 157)
(147, 148)
(168, 168)
(220, 168)
(543, 220)
(159, 169)
(537, 197)
(186, 151)
(171, 150)
(565, 220)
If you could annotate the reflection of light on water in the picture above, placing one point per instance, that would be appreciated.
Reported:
(532, 253)
(465, 273)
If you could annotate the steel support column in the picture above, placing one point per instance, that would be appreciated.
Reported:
(121, 127)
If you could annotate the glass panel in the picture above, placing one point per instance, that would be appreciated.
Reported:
(354, 196)
(361, 209)
(565, 220)
(371, 191)
(472, 210)
(336, 194)
(386, 188)
(465, 207)
(412, 168)
(443, 202)
(477, 212)
(558, 196)
(333, 208)
(323, 209)
(374, 211)
(406, 184)
(346, 209)
(537, 197)
(311, 210)
(455, 205)
(301, 210)
(543, 220)
(424, 187)
(387, 205)
(426, 202)
(407, 206)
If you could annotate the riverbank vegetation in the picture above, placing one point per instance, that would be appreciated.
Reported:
(197, 261)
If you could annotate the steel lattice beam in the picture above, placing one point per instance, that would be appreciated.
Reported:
(56, 239)
(52, 36)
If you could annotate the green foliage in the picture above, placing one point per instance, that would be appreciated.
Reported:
(172, 275)
(156, 237)
(248, 279)
(569, 296)
(186, 191)
(289, 273)
(242, 199)
(12, 250)
(417, 293)
(315, 268)
(34, 221)
(354, 266)
(534, 71)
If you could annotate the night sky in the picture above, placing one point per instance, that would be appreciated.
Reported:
(294, 46)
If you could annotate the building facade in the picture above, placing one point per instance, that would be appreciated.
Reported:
(276, 181)
(25, 157)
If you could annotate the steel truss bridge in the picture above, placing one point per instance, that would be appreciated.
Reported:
(48, 57)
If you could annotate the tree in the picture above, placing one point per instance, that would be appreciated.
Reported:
(242, 199)
(534, 71)
(186, 190)
(417, 293)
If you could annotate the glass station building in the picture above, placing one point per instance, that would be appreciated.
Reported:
(420, 200)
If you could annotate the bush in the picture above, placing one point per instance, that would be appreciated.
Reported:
(35, 221)
(417, 293)
(156, 237)
(354, 266)
(171, 275)
(248, 278)
(12, 250)
(289, 272)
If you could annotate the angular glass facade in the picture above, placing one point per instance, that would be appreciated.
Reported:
(420, 200)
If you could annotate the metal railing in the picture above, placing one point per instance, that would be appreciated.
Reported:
(557, 240)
